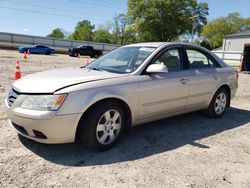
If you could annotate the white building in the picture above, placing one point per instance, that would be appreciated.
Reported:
(236, 41)
(236, 49)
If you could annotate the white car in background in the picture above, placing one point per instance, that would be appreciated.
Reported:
(131, 85)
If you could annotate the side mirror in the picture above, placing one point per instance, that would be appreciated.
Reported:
(157, 68)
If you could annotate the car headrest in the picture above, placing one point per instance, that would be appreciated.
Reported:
(197, 64)
(172, 62)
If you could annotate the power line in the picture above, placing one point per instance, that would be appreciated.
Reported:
(116, 2)
(49, 8)
(97, 4)
(43, 13)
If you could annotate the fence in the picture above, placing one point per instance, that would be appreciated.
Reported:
(233, 58)
(16, 40)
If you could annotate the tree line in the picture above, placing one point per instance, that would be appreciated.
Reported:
(160, 20)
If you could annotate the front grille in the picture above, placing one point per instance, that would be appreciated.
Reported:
(13, 94)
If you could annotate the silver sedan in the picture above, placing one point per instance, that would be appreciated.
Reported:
(131, 85)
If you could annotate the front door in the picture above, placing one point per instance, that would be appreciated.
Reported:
(164, 93)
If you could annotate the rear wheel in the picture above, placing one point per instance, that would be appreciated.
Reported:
(218, 104)
(75, 54)
(102, 126)
(47, 52)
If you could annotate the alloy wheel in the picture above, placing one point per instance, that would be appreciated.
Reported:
(220, 103)
(108, 127)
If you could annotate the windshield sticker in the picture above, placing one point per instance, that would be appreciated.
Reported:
(128, 70)
(147, 49)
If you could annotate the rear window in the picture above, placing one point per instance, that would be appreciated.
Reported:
(198, 60)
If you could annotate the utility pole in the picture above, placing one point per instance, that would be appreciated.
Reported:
(193, 26)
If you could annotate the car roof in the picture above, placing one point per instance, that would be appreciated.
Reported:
(148, 44)
(158, 44)
(165, 44)
(40, 45)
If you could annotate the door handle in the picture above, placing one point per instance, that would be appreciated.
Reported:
(184, 80)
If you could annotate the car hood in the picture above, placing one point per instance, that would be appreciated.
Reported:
(54, 80)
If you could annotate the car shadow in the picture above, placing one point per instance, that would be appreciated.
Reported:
(145, 140)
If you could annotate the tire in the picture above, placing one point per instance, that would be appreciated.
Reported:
(102, 126)
(75, 54)
(96, 56)
(47, 52)
(218, 104)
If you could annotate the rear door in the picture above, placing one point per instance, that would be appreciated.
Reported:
(41, 49)
(203, 78)
(34, 49)
(164, 93)
(90, 50)
(83, 50)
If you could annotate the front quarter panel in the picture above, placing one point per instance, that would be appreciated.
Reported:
(85, 95)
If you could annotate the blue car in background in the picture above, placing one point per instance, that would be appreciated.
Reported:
(37, 49)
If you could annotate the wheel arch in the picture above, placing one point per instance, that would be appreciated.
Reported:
(126, 108)
(228, 89)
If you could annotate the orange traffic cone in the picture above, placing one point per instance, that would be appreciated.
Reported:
(78, 55)
(28, 53)
(17, 71)
(24, 55)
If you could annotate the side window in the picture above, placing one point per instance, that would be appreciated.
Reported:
(170, 58)
(198, 60)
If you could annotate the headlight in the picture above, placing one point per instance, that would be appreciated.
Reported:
(43, 102)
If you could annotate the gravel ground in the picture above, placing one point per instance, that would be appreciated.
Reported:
(185, 151)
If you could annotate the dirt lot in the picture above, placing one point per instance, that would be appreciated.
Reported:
(186, 151)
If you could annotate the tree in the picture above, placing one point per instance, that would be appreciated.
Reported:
(119, 26)
(83, 31)
(165, 20)
(130, 35)
(57, 33)
(216, 29)
(102, 35)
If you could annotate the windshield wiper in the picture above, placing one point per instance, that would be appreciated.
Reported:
(94, 68)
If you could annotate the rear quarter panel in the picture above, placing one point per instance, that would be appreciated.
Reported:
(227, 76)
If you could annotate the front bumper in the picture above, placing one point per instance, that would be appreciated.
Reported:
(21, 50)
(43, 126)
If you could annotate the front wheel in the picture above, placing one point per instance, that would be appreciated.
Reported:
(218, 104)
(102, 126)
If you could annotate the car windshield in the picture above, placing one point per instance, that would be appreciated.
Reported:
(122, 60)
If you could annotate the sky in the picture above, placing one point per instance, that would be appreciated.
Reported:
(40, 17)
